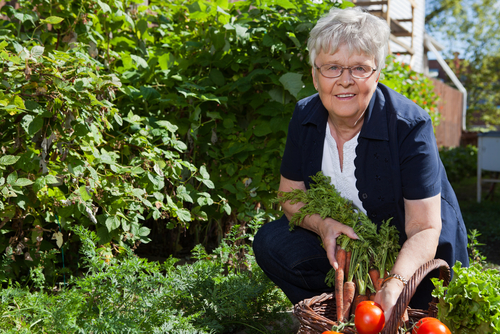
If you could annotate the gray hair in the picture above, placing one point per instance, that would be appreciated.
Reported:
(360, 31)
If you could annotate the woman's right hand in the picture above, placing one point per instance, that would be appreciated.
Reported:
(329, 230)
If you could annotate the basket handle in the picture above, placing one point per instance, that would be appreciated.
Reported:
(392, 325)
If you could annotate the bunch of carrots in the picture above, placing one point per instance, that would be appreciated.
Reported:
(363, 263)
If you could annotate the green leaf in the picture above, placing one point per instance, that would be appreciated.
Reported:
(22, 182)
(12, 178)
(66, 211)
(118, 119)
(262, 129)
(27, 16)
(209, 184)
(35, 125)
(292, 82)
(52, 20)
(137, 192)
(137, 170)
(167, 125)
(37, 51)
(217, 77)
(144, 231)
(112, 223)
(286, 4)
(204, 173)
(227, 208)
(7, 160)
(183, 194)
(51, 179)
(104, 7)
(84, 193)
(184, 215)
(139, 61)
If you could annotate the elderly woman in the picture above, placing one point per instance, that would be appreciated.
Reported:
(379, 149)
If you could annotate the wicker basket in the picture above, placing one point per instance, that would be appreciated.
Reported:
(315, 313)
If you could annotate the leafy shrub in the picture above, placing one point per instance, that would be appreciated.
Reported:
(460, 162)
(71, 157)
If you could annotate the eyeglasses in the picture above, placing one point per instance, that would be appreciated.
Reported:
(335, 71)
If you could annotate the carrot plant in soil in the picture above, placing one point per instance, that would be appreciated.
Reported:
(118, 292)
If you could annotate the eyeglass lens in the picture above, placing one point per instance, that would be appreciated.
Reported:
(357, 71)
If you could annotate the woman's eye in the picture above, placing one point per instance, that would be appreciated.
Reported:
(333, 67)
(359, 69)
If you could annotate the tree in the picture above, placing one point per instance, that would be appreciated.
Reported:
(472, 27)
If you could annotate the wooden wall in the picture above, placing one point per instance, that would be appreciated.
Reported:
(449, 131)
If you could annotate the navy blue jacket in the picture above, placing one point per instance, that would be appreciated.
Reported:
(397, 158)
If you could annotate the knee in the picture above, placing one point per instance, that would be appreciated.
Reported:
(268, 236)
(260, 242)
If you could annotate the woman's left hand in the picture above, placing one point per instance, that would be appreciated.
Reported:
(388, 296)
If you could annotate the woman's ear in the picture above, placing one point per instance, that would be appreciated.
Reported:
(378, 77)
(314, 78)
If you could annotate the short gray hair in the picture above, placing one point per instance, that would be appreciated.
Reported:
(353, 27)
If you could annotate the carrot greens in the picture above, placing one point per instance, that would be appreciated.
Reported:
(377, 246)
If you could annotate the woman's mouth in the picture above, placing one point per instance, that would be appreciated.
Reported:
(345, 96)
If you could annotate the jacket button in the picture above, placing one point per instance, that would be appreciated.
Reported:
(374, 215)
(365, 195)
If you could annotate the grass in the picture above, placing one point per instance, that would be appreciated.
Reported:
(484, 216)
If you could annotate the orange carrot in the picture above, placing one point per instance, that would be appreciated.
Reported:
(374, 276)
(347, 264)
(349, 291)
(339, 283)
(358, 299)
(380, 281)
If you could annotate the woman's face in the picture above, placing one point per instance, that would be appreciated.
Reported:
(346, 98)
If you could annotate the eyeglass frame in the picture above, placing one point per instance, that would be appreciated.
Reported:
(342, 68)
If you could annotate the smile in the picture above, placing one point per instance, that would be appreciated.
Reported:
(345, 95)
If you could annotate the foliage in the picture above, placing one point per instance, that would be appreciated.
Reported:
(459, 162)
(71, 157)
(114, 114)
(471, 302)
(471, 28)
(415, 86)
(122, 293)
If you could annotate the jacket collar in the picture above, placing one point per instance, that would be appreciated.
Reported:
(375, 124)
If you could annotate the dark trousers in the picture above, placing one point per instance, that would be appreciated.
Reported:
(297, 263)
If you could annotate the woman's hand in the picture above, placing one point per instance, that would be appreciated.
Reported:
(388, 296)
(329, 230)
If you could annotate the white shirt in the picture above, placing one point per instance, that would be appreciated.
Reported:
(342, 178)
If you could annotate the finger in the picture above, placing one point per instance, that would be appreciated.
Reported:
(349, 231)
(331, 254)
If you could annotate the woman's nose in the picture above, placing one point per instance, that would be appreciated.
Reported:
(345, 78)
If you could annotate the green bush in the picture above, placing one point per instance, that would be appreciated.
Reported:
(460, 162)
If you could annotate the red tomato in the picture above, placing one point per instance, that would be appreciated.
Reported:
(330, 332)
(430, 325)
(369, 317)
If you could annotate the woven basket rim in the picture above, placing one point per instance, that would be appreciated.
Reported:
(312, 322)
